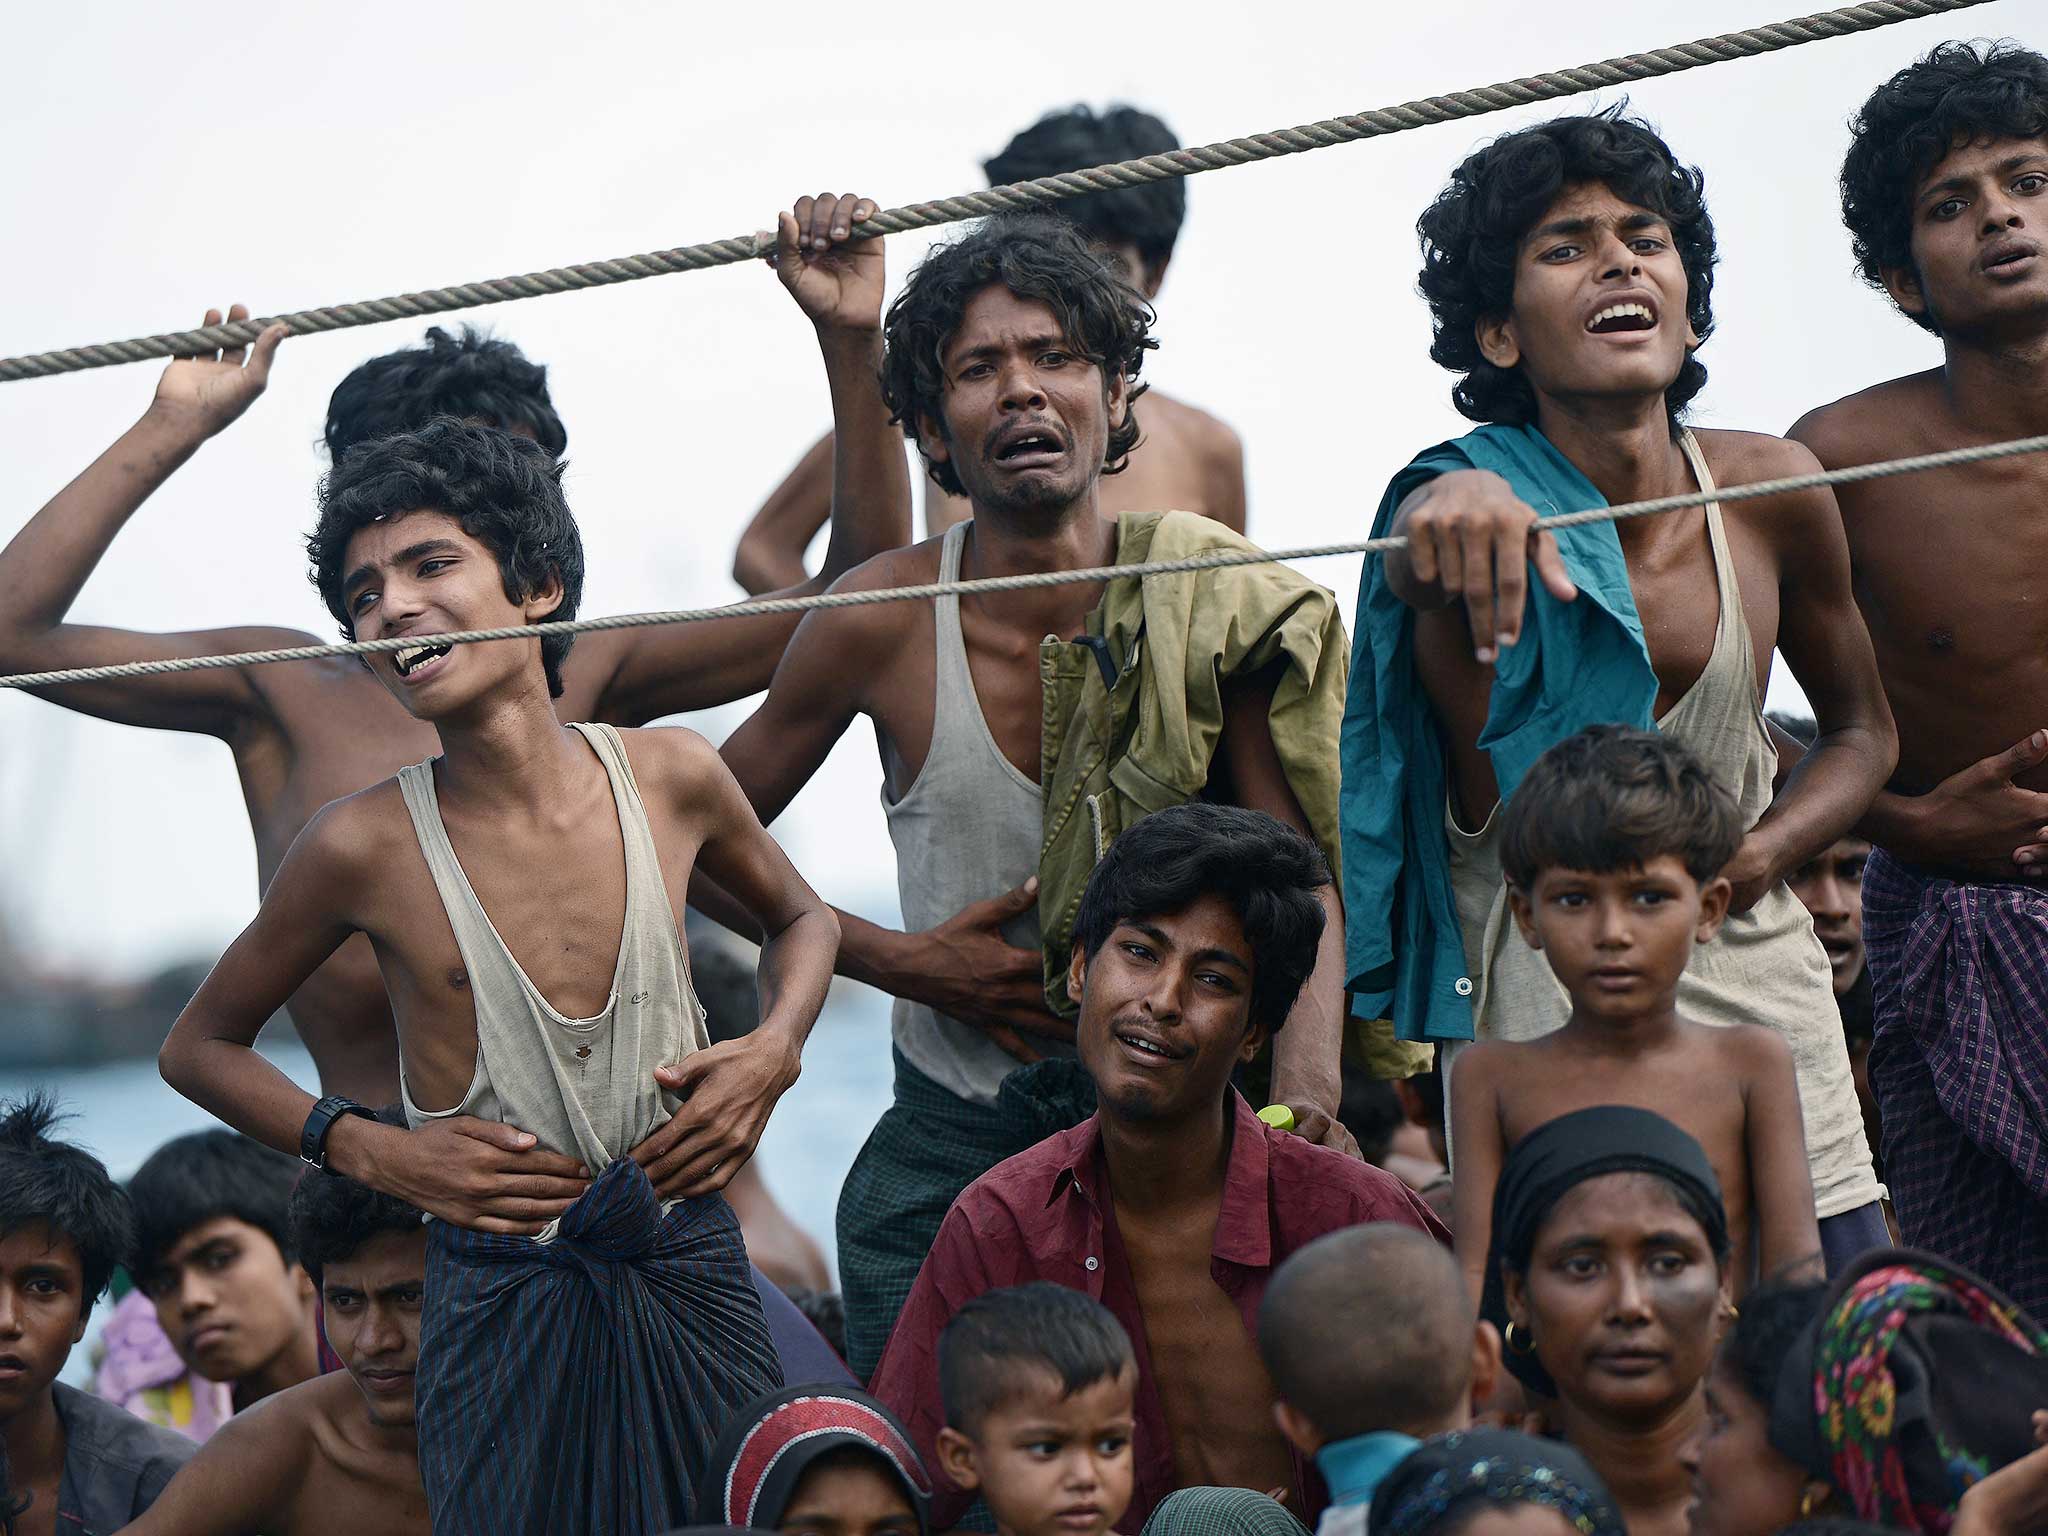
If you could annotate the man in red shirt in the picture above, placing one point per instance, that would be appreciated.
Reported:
(1174, 1204)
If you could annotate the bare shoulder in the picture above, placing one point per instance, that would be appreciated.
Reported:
(274, 1435)
(357, 833)
(1866, 426)
(669, 757)
(1745, 1051)
(1740, 458)
(1791, 521)
(1211, 439)
(870, 625)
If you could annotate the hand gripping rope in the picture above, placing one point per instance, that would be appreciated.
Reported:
(1020, 195)
(989, 584)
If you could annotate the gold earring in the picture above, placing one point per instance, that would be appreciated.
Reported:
(1731, 1312)
(1525, 1347)
(1807, 1500)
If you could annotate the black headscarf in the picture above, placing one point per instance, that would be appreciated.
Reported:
(766, 1450)
(1491, 1466)
(1557, 1157)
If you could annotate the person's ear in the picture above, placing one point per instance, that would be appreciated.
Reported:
(1294, 1425)
(1116, 389)
(1525, 915)
(1496, 337)
(1486, 1364)
(307, 1289)
(1077, 974)
(931, 439)
(1515, 1297)
(957, 1461)
(1152, 279)
(1714, 898)
(1255, 1036)
(544, 599)
(1903, 284)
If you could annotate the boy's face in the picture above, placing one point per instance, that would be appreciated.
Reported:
(1619, 940)
(373, 1320)
(1830, 887)
(1027, 417)
(1599, 307)
(1980, 218)
(1166, 1011)
(420, 574)
(42, 1311)
(848, 1496)
(1050, 1463)
(227, 1300)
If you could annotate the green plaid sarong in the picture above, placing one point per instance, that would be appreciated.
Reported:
(927, 1147)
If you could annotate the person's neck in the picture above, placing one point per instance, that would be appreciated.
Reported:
(1165, 1165)
(34, 1439)
(1622, 444)
(298, 1361)
(1654, 1026)
(1999, 384)
(1076, 537)
(1640, 1464)
(509, 750)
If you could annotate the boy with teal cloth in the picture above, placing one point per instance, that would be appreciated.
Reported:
(1578, 663)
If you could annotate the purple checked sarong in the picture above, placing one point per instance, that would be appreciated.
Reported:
(578, 1384)
(1959, 974)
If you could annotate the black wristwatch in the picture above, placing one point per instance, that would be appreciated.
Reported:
(313, 1139)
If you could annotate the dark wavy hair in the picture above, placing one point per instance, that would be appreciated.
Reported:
(473, 376)
(65, 1188)
(1037, 256)
(1472, 237)
(1959, 93)
(332, 1216)
(1148, 216)
(194, 1179)
(1269, 873)
(1772, 1318)
(505, 491)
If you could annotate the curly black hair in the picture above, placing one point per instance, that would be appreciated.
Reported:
(1472, 236)
(1959, 93)
(333, 1216)
(473, 375)
(1036, 256)
(1148, 216)
(505, 491)
(64, 1188)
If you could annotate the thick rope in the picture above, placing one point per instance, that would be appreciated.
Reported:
(984, 585)
(1023, 194)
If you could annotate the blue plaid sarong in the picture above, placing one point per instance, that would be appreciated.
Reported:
(579, 1384)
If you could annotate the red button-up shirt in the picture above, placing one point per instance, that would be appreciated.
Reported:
(1046, 1214)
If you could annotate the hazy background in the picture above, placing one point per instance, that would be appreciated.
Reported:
(164, 159)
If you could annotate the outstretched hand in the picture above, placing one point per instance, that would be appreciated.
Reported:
(1471, 537)
(834, 278)
(214, 388)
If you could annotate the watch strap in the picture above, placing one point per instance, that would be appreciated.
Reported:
(313, 1139)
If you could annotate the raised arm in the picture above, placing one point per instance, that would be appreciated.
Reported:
(771, 552)
(1824, 642)
(729, 1089)
(1780, 1179)
(46, 564)
(1479, 1148)
(837, 281)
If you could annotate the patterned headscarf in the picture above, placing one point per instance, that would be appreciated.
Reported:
(764, 1453)
(1477, 1467)
(1916, 1381)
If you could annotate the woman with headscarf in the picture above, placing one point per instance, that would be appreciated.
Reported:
(819, 1460)
(1449, 1484)
(1607, 1275)
(1886, 1395)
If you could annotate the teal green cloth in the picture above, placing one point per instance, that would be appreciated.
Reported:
(1354, 1468)
(1577, 664)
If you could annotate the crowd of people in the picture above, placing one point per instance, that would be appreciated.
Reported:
(1428, 1078)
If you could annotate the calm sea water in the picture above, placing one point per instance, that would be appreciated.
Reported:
(123, 1112)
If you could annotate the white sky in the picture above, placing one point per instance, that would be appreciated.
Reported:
(168, 158)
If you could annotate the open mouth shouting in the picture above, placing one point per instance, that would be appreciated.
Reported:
(1028, 445)
(1622, 317)
(415, 660)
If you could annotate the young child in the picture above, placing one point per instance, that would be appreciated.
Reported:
(1373, 1348)
(214, 1253)
(72, 1462)
(1613, 849)
(816, 1460)
(1039, 1383)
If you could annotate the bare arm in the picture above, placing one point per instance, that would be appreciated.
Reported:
(242, 1482)
(472, 1172)
(838, 282)
(771, 551)
(1307, 1072)
(729, 1090)
(1226, 479)
(1780, 1180)
(1828, 649)
(1480, 1149)
(48, 562)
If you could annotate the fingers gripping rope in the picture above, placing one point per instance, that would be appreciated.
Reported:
(1024, 194)
(989, 584)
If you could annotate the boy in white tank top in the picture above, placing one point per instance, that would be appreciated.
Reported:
(520, 892)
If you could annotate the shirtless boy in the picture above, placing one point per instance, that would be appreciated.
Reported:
(1945, 192)
(338, 1454)
(1613, 849)
(310, 732)
(1568, 268)
(520, 892)
(1187, 460)
(1025, 417)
